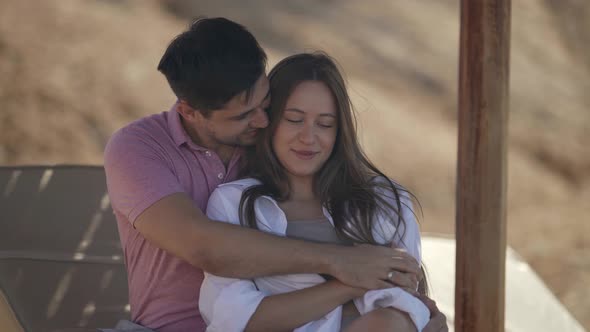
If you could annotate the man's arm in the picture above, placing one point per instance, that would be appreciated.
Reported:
(177, 226)
(145, 190)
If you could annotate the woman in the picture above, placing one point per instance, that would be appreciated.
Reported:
(310, 179)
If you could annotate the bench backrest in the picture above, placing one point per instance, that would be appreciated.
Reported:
(61, 264)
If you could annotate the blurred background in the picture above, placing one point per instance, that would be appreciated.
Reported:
(74, 71)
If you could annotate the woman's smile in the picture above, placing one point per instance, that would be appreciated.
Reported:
(304, 154)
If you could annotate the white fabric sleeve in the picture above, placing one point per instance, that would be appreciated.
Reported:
(408, 235)
(411, 236)
(226, 304)
(408, 238)
(395, 298)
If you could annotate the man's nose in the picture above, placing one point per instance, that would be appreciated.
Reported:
(260, 119)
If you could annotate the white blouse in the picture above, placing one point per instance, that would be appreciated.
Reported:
(227, 304)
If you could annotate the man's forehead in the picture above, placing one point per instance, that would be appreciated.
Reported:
(258, 93)
(241, 103)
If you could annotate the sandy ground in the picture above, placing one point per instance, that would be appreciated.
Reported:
(72, 72)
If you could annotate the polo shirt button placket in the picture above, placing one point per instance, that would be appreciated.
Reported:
(220, 176)
(208, 153)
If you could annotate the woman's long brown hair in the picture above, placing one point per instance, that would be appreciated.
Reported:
(353, 189)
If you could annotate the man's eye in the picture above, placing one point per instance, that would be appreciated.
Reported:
(243, 116)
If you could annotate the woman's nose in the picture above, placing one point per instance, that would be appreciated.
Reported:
(306, 135)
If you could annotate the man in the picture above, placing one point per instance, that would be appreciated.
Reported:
(161, 170)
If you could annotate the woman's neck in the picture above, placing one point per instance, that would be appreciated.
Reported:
(301, 189)
(302, 203)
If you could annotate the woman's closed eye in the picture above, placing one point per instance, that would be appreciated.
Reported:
(294, 119)
(326, 124)
(321, 124)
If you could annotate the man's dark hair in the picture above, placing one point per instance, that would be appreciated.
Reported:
(213, 61)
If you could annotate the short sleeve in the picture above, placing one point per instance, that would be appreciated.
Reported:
(138, 174)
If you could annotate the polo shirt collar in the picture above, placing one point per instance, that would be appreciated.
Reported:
(179, 135)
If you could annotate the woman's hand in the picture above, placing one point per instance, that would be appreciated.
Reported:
(353, 292)
(438, 321)
(287, 311)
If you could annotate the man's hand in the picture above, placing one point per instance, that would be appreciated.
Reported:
(438, 321)
(375, 267)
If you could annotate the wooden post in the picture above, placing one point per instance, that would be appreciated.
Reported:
(481, 167)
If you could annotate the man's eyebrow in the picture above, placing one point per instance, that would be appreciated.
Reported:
(244, 114)
(262, 101)
(241, 115)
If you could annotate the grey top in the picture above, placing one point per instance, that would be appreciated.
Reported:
(321, 230)
(317, 230)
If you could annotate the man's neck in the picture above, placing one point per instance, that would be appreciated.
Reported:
(224, 151)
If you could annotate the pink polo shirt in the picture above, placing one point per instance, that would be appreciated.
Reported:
(146, 161)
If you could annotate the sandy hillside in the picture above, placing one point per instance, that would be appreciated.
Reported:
(71, 72)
